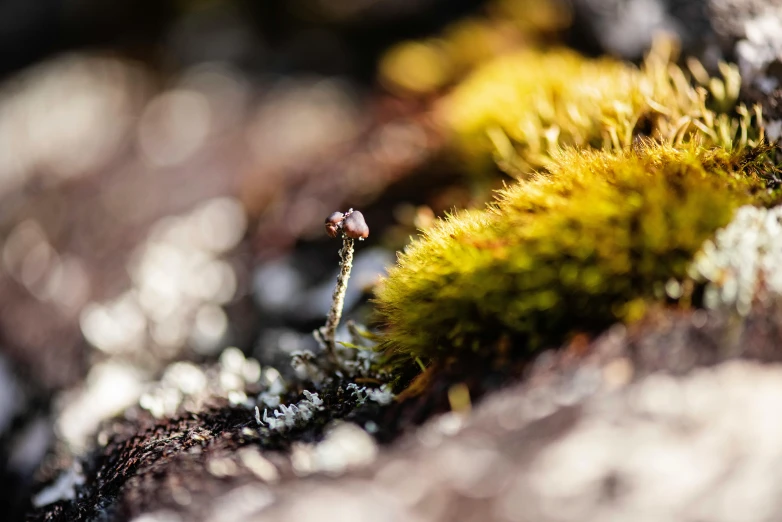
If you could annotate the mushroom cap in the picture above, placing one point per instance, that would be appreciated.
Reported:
(333, 223)
(354, 226)
(335, 218)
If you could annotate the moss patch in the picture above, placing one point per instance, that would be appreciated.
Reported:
(573, 250)
(524, 107)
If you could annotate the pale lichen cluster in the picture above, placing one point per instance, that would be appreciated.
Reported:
(382, 395)
(290, 416)
(243, 382)
(353, 361)
(741, 263)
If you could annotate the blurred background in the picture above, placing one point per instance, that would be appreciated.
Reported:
(166, 166)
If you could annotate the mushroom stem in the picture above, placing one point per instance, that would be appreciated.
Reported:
(338, 299)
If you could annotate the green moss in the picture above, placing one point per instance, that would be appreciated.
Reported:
(524, 107)
(572, 250)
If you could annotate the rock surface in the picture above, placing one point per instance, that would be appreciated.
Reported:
(659, 421)
(701, 447)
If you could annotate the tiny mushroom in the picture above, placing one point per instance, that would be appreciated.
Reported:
(349, 226)
(355, 226)
(334, 223)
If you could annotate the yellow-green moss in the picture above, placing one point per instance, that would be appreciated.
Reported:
(523, 107)
(422, 67)
(572, 250)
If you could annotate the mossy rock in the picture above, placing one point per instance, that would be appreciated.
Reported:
(523, 107)
(573, 250)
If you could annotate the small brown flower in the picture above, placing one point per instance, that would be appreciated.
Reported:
(355, 226)
(334, 223)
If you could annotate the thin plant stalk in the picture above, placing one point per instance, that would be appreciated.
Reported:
(335, 313)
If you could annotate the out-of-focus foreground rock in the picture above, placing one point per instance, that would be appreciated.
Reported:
(671, 419)
(705, 446)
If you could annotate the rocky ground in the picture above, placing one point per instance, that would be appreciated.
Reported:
(669, 419)
(115, 409)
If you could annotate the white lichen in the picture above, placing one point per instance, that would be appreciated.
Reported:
(382, 395)
(741, 263)
(349, 361)
(313, 399)
(290, 416)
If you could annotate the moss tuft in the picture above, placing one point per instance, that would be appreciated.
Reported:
(523, 107)
(574, 250)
